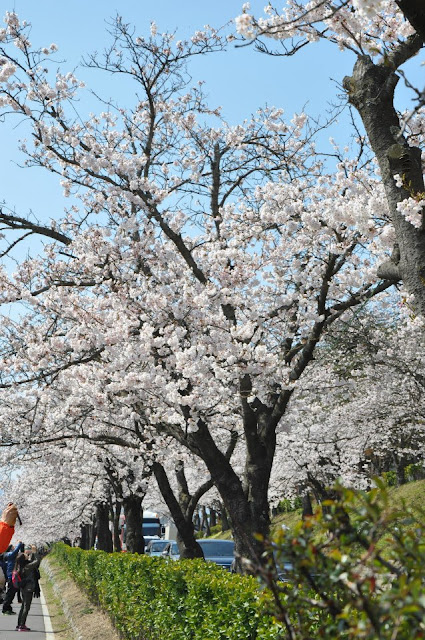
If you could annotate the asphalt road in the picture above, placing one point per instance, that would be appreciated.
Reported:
(38, 621)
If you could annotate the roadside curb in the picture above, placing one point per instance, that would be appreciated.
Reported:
(46, 615)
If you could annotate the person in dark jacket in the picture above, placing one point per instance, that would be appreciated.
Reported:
(9, 560)
(27, 570)
(32, 553)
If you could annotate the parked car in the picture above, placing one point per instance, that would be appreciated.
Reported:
(283, 569)
(222, 552)
(219, 551)
(155, 547)
(171, 551)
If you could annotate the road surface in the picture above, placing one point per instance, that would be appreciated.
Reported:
(38, 621)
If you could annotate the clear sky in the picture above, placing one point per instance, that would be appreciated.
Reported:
(239, 80)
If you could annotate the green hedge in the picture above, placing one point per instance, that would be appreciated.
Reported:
(153, 599)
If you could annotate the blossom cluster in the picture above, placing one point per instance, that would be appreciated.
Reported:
(366, 26)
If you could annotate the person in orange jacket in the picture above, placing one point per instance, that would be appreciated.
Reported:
(7, 525)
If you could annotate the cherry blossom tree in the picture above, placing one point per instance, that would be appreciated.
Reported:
(57, 491)
(196, 271)
(383, 40)
(117, 452)
(360, 412)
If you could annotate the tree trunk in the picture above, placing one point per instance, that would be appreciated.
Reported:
(92, 532)
(307, 506)
(85, 537)
(205, 525)
(247, 503)
(371, 91)
(117, 527)
(401, 476)
(135, 541)
(104, 537)
(197, 521)
(213, 517)
(188, 546)
(225, 525)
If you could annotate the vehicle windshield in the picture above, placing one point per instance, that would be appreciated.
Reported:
(158, 546)
(218, 548)
(174, 548)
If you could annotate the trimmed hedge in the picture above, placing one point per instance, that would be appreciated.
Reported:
(152, 599)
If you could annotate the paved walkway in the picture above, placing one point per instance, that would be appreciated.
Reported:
(38, 621)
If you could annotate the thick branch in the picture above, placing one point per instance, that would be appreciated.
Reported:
(184, 526)
(415, 13)
(18, 223)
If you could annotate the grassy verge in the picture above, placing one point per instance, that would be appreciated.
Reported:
(411, 494)
(72, 613)
(60, 624)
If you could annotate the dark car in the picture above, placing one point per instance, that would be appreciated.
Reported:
(222, 552)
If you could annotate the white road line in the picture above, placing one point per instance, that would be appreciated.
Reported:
(47, 621)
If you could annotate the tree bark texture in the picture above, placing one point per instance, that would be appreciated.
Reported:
(92, 533)
(104, 536)
(225, 524)
(213, 517)
(116, 527)
(135, 541)
(248, 503)
(85, 537)
(371, 90)
(307, 506)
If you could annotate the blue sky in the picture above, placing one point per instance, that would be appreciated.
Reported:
(239, 80)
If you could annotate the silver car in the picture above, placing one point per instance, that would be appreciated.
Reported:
(156, 547)
(171, 551)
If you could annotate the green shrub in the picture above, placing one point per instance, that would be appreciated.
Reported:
(390, 478)
(152, 599)
(287, 506)
(216, 528)
(414, 472)
(356, 569)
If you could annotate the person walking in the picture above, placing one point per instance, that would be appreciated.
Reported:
(9, 559)
(26, 574)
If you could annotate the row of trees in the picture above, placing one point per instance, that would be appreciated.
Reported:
(187, 306)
